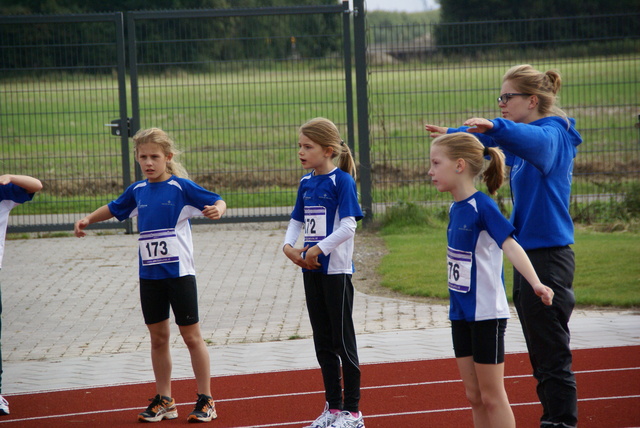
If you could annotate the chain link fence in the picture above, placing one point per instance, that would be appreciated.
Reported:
(443, 74)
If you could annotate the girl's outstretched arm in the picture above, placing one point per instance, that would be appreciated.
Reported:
(28, 183)
(101, 214)
(521, 262)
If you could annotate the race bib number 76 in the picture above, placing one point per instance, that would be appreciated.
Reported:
(459, 270)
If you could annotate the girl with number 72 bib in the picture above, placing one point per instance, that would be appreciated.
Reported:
(164, 202)
(327, 209)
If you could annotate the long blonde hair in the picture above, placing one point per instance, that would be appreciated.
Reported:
(462, 145)
(325, 133)
(161, 138)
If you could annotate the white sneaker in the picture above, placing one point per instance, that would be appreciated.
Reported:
(325, 419)
(346, 420)
(4, 406)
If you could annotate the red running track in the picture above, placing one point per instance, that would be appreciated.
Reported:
(414, 394)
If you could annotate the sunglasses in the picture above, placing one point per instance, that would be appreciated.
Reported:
(504, 98)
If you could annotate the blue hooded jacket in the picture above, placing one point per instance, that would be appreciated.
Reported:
(541, 156)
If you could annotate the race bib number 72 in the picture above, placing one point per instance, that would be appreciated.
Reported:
(315, 224)
(459, 270)
(158, 247)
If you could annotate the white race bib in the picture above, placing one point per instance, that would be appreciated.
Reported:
(315, 227)
(459, 270)
(158, 247)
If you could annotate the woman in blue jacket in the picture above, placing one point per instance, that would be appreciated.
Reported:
(540, 143)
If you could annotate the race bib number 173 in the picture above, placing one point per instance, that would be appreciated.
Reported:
(158, 247)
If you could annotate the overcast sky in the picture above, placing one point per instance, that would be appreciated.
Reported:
(402, 5)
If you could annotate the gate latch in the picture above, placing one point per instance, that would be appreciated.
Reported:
(117, 128)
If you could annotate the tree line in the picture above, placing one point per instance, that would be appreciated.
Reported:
(194, 43)
(459, 26)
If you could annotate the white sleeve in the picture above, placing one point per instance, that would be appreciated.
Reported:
(344, 232)
(293, 231)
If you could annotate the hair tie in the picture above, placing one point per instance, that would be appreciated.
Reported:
(342, 142)
(486, 151)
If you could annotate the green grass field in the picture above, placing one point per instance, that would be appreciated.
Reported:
(238, 118)
(607, 268)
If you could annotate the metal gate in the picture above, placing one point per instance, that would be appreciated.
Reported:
(231, 96)
(60, 78)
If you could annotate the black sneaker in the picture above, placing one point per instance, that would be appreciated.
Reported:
(161, 407)
(204, 411)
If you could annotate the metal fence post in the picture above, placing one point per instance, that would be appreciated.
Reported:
(360, 55)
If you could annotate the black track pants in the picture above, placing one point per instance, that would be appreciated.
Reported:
(330, 304)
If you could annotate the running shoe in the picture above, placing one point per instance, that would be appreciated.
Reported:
(161, 407)
(4, 406)
(346, 420)
(204, 411)
(325, 419)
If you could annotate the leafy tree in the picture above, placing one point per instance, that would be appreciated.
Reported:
(255, 37)
(485, 10)
(528, 25)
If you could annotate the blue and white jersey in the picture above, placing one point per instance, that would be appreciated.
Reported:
(163, 210)
(322, 201)
(11, 195)
(477, 229)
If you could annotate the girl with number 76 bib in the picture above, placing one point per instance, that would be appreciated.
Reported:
(477, 236)
(327, 209)
(164, 202)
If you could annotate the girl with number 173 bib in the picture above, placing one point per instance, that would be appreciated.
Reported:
(164, 202)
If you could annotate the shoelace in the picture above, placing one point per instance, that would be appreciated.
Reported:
(203, 401)
(323, 419)
(156, 402)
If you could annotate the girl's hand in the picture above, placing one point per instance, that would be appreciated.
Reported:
(545, 293)
(478, 125)
(212, 212)
(435, 131)
(311, 258)
(78, 227)
(295, 255)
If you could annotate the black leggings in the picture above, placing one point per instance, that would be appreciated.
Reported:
(546, 331)
(330, 305)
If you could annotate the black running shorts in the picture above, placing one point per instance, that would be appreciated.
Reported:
(179, 294)
(483, 340)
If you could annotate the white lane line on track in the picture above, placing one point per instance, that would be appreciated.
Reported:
(368, 387)
(368, 416)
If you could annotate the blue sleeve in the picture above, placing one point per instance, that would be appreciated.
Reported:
(496, 224)
(122, 207)
(15, 193)
(298, 208)
(538, 145)
(198, 197)
(348, 198)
